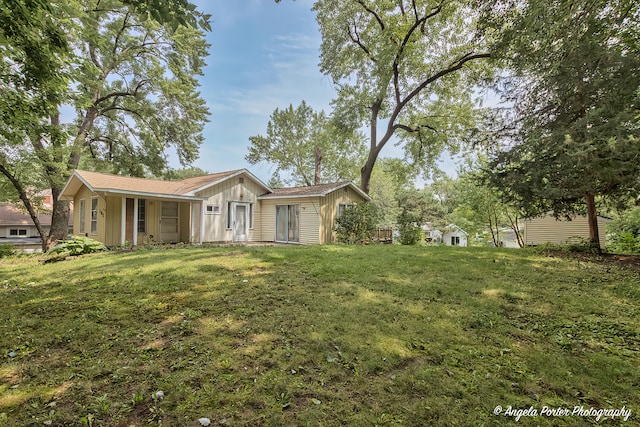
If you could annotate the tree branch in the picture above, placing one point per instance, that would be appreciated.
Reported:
(121, 94)
(356, 39)
(372, 12)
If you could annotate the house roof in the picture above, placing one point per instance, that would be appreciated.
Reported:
(182, 189)
(451, 227)
(10, 214)
(313, 191)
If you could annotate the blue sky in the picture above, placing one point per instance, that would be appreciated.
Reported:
(263, 56)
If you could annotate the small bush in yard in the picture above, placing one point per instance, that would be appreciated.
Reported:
(77, 245)
(411, 232)
(7, 249)
(357, 224)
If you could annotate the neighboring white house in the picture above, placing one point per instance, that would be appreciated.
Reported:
(431, 235)
(455, 236)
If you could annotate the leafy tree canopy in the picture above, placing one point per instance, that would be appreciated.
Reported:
(310, 146)
(404, 68)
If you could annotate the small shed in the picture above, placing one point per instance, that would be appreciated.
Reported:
(548, 229)
(455, 236)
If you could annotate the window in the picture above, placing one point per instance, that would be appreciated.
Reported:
(213, 209)
(229, 219)
(18, 232)
(94, 215)
(342, 207)
(83, 216)
(287, 224)
(142, 218)
(455, 240)
(251, 215)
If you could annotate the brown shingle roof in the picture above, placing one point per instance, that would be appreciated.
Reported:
(11, 215)
(312, 190)
(143, 185)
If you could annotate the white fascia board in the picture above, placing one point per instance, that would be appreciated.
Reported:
(147, 195)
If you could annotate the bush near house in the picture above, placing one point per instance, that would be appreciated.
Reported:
(357, 224)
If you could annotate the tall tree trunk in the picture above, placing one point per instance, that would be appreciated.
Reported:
(594, 234)
(317, 179)
(59, 219)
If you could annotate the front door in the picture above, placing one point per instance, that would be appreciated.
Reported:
(169, 221)
(240, 222)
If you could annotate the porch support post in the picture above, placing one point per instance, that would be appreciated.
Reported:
(135, 221)
(201, 222)
(123, 221)
(191, 225)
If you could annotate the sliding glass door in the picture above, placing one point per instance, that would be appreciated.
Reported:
(287, 223)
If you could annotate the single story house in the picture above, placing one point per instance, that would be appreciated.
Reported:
(548, 229)
(232, 206)
(18, 229)
(455, 236)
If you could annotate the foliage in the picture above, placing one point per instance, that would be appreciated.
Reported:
(623, 233)
(389, 179)
(357, 224)
(380, 328)
(77, 245)
(484, 205)
(6, 250)
(574, 129)
(310, 146)
(403, 67)
(130, 79)
(184, 173)
(411, 232)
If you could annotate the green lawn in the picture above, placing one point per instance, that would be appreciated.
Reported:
(329, 335)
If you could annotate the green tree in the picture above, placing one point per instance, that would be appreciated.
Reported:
(404, 68)
(574, 73)
(130, 79)
(390, 177)
(312, 147)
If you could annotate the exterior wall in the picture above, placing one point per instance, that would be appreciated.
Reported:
(309, 218)
(446, 238)
(329, 211)
(185, 222)
(113, 218)
(547, 229)
(231, 190)
(86, 194)
(32, 231)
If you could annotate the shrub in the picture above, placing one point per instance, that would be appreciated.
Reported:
(77, 245)
(411, 232)
(357, 224)
(6, 250)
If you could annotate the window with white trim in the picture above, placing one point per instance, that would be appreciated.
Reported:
(83, 216)
(343, 207)
(18, 232)
(142, 218)
(94, 215)
(213, 209)
(251, 210)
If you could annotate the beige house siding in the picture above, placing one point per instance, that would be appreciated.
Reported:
(231, 190)
(329, 210)
(547, 229)
(309, 218)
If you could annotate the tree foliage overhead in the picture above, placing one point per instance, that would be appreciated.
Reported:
(310, 146)
(404, 68)
(126, 68)
(574, 83)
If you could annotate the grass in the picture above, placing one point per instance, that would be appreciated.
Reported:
(326, 335)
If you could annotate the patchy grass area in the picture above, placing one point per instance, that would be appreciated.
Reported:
(333, 335)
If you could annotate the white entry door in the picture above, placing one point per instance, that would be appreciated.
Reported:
(240, 217)
(169, 220)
